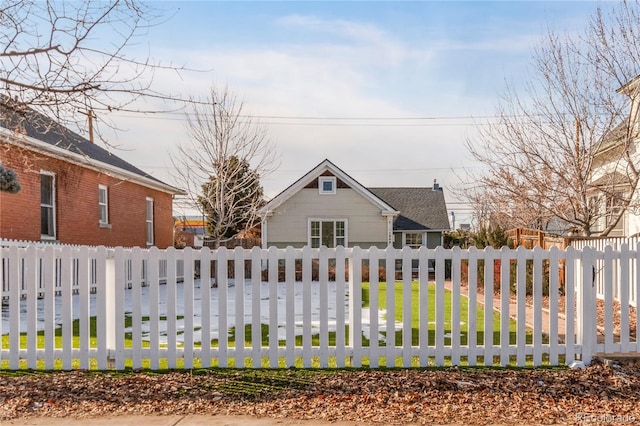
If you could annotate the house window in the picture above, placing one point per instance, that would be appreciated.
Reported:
(413, 240)
(615, 208)
(327, 184)
(103, 205)
(149, 221)
(47, 205)
(330, 233)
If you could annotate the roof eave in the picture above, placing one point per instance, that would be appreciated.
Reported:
(624, 89)
(84, 161)
(316, 171)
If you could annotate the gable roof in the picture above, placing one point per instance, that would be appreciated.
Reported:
(420, 208)
(614, 178)
(415, 209)
(629, 85)
(46, 135)
(615, 141)
(327, 166)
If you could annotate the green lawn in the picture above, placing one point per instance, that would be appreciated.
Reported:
(415, 321)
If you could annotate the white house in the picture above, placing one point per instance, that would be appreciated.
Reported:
(328, 207)
(615, 171)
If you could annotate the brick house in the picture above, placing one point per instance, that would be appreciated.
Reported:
(75, 192)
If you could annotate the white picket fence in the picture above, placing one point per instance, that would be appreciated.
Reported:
(615, 242)
(195, 323)
(75, 283)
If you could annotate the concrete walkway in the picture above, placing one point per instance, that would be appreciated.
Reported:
(513, 310)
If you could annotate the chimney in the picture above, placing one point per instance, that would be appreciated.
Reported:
(436, 186)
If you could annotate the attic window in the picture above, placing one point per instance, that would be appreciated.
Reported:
(327, 184)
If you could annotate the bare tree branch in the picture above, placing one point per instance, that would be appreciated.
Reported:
(222, 163)
(66, 58)
(545, 154)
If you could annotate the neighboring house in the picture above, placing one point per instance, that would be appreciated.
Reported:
(328, 207)
(75, 192)
(190, 231)
(612, 179)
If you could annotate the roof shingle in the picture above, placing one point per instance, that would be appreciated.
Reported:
(38, 126)
(420, 208)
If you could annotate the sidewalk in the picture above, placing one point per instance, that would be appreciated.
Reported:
(513, 310)
(191, 420)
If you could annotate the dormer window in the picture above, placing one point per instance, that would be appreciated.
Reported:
(327, 184)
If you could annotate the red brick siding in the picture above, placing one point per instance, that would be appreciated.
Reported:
(77, 205)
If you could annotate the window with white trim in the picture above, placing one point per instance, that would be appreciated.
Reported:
(414, 239)
(327, 184)
(149, 221)
(103, 205)
(615, 206)
(47, 205)
(327, 232)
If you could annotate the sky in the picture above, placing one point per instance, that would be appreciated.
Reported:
(390, 92)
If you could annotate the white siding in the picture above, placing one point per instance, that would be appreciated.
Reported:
(630, 222)
(289, 222)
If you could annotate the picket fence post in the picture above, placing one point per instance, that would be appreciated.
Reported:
(585, 301)
(110, 308)
(355, 308)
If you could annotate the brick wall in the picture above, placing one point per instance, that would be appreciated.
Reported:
(77, 210)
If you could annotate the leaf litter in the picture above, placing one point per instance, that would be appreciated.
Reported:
(413, 396)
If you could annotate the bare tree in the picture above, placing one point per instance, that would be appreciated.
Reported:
(221, 164)
(69, 60)
(545, 151)
(490, 207)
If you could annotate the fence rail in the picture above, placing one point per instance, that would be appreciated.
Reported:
(93, 307)
(57, 275)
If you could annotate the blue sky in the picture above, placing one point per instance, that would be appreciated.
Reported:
(397, 82)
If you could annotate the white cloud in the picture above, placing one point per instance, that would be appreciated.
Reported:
(362, 71)
(349, 29)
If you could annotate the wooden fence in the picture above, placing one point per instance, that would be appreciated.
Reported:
(229, 316)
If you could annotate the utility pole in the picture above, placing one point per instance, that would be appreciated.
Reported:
(90, 117)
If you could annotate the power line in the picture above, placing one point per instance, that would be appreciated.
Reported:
(425, 169)
(300, 117)
(329, 124)
(319, 118)
(378, 125)
(341, 121)
(182, 115)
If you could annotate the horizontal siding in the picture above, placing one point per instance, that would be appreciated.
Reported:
(289, 221)
(363, 245)
(367, 245)
(285, 244)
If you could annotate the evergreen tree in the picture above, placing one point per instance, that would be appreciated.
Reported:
(9, 181)
(231, 198)
(492, 235)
